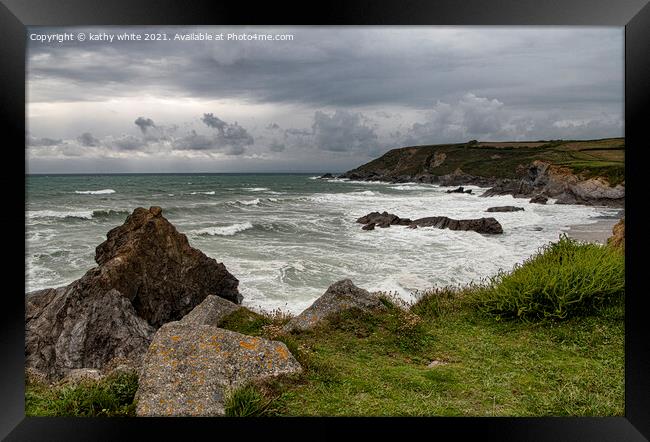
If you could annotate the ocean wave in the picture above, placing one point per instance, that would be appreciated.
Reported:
(210, 192)
(75, 214)
(256, 189)
(412, 187)
(254, 202)
(94, 192)
(224, 230)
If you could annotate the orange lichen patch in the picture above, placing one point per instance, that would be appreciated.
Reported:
(175, 338)
(282, 351)
(251, 344)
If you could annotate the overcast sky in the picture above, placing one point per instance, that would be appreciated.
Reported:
(329, 100)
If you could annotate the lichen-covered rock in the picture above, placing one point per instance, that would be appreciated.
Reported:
(189, 370)
(151, 263)
(210, 312)
(66, 329)
(340, 296)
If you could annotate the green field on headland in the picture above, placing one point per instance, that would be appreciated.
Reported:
(546, 339)
(591, 158)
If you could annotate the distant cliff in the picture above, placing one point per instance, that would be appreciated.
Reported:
(573, 172)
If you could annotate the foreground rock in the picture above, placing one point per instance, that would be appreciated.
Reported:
(618, 235)
(147, 275)
(211, 311)
(153, 265)
(189, 370)
(340, 296)
(504, 209)
(66, 329)
(385, 219)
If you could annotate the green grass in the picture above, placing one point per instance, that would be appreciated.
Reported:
(111, 396)
(490, 361)
(567, 278)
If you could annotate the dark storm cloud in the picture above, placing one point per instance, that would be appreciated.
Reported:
(38, 142)
(276, 146)
(342, 131)
(88, 140)
(144, 124)
(343, 67)
(128, 142)
(228, 134)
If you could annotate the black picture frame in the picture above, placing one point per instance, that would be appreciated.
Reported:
(15, 15)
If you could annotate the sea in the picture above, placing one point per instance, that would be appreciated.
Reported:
(287, 237)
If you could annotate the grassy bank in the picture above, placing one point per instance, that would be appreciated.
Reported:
(546, 339)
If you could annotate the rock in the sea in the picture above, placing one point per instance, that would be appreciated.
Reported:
(211, 311)
(340, 296)
(326, 176)
(189, 370)
(618, 235)
(68, 329)
(504, 209)
(151, 263)
(480, 225)
(460, 190)
(539, 199)
(385, 219)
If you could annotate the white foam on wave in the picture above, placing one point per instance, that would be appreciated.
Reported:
(254, 202)
(95, 192)
(224, 230)
(256, 189)
(81, 214)
(210, 192)
(413, 187)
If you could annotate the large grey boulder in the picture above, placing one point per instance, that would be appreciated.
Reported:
(66, 330)
(211, 311)
(189, 369)
(340, 296)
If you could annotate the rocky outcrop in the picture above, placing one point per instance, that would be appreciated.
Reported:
(617, 239)
(460, 190)
(67, 329)
(151, 263)
(189, 370)
(538, 199)
(211, 311)
(504, 209)
(340, 296)
(326, 176)
(553, 181)
(481, 225)
(148, 275)
(385, 219)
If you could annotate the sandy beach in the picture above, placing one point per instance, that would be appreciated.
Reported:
(597, 232)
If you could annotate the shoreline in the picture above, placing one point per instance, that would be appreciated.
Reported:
(597, 232)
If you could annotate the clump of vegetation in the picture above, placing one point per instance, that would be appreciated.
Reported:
(110, 396)
(248, 401)
(567, 278)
